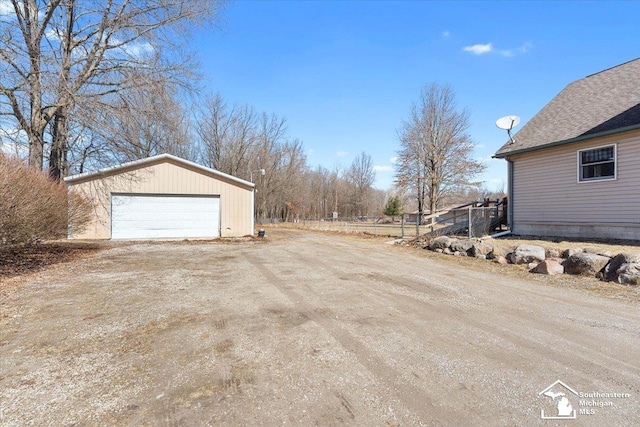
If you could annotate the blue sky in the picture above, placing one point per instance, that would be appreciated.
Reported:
(344, 74)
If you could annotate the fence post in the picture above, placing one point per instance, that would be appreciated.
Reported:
(402, 225)
(469, 225)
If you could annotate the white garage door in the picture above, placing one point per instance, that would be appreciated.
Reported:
(141, 216)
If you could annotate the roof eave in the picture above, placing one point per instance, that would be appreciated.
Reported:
(567, 141)
(150, 160)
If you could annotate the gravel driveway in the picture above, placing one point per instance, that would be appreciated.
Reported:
(307, 329)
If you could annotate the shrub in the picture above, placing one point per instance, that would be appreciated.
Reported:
(33, 207)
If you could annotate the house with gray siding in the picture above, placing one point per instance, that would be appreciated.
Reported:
(574, 168)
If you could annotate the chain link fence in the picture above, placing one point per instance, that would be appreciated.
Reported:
(481, 221)
(471, 221)
(379, 226)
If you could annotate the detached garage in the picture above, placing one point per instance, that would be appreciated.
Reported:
(164, 197)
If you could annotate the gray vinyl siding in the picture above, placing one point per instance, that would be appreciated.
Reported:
(546, 187)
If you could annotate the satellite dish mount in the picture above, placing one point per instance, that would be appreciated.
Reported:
(507, 123)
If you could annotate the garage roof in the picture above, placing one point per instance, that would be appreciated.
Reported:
(137, 164)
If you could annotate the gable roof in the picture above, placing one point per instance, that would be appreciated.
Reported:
(600, 104)
(161, 158)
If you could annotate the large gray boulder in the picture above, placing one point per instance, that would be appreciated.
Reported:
(629, 274)
(441, 242)
(524, 254)
(569, 252)
(597, 252)
(481, 249)
(610, 272)
(549, 267)
(551, 253)
(584, 263)
(498, 251)
(462, 245)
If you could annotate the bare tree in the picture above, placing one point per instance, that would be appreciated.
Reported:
(436, 151)
(59, 54)
(360, 176)
(228, 136)
(213, 126)
(141, 122)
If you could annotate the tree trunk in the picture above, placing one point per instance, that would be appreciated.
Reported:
(58, 154)
(36, 151)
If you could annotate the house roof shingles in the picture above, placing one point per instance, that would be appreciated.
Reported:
(597, 104)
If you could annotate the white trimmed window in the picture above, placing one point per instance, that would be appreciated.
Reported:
(597, 164)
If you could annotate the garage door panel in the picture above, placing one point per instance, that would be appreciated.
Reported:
(164, 216)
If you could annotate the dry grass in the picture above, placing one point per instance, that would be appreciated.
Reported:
(560, 244)
(16, 261)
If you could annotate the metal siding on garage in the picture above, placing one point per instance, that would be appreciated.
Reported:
(145, 216)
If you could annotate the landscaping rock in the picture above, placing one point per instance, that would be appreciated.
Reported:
(500, 260)
(532, 265)
(549, 267)
(481, 249)
(585, 263)
(525, 254)
(458, 253)
(441, 242)
(610, 272)
(551, 253)
(591, 250)
(462, 245)
(629, 274)
(447, 251)
(438, 250)
(569, 252)
(498, 251)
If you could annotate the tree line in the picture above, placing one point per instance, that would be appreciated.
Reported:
(86, 85)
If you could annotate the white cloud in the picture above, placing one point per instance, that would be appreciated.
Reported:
(310, 152)
(517, 51)
(138, 49)
(445, 34)
(394, 159)
(383, 168)
(341, 153)
(479, 49)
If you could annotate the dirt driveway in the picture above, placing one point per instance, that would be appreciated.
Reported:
(307, 329)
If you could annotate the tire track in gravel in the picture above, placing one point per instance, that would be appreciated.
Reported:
(516, 286)
(418, 400)
(519, 326)
(506, 307)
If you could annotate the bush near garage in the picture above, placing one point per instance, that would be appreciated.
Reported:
(33, 207)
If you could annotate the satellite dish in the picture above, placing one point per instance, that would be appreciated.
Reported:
(507, 123)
